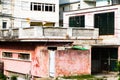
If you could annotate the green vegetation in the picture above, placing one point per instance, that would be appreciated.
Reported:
(2, 77)
(81, 77)
(118, 69)
(14, 78)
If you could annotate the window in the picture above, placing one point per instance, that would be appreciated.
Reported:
(39, 7)
(35, 7)
(105, 23)
(42, 7)
(4, 24)
(78, 6)
(24, 56)
(77, 21)
(46, 7)
(7, 54)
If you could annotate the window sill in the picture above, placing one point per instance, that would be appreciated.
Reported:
(16, 59)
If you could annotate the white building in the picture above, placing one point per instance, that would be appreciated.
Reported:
(67, 5)
(106, 2)
(87, 4)
(72, 5)
(26, 13)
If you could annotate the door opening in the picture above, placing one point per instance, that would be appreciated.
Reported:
(52, 61)
(103, 59)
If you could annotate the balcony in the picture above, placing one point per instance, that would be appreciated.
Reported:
(38, 32)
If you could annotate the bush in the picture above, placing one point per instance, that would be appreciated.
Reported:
(79, 77)
(14, 78)
(2, 76)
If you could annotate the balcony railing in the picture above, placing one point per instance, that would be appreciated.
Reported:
(51, 33)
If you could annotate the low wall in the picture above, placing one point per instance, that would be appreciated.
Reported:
(72, 62)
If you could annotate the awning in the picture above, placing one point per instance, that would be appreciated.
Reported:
(78, 48)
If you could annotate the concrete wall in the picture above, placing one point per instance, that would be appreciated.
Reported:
(72, 62)
(86, 4)
(103, 2)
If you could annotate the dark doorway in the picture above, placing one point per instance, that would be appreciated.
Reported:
(104, 59)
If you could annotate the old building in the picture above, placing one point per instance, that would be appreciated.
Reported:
(42, 54)
(31, 44)
(106, 52)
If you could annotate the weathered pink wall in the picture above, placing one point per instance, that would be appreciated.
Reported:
(67, 62)
(40, 63)
(14, 64)
(72, 62)
(17, 66)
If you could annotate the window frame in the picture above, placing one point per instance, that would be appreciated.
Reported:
(23, 55)
(4, 24)
(77, 21)
(42, 7)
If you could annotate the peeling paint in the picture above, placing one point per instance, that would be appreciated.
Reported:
(72, 62)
